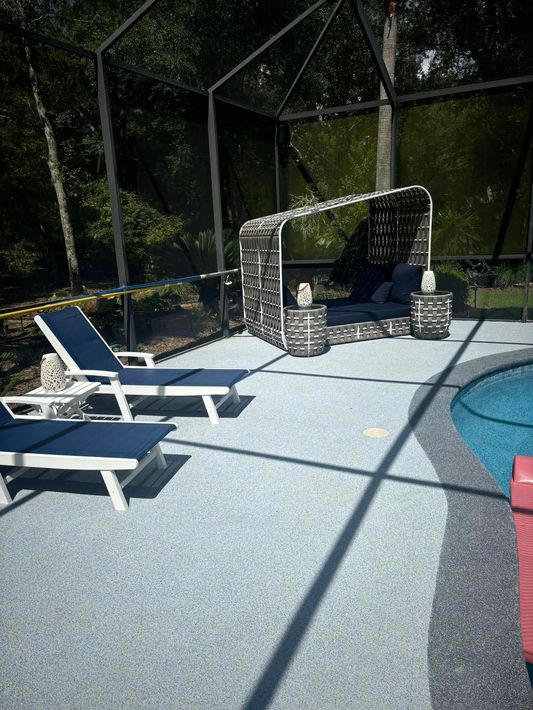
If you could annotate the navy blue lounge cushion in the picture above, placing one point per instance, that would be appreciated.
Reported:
(288, 298)
(76, 438)
(163, 377)
(381, 294)
(365, 312)
(405, 279)
(367, 279)
(5, 414)
(87, 349)
(80, 340)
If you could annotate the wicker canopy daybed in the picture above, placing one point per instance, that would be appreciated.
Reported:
(399, 232)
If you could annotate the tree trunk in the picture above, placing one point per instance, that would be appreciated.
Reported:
(384, 147)
(55, 175)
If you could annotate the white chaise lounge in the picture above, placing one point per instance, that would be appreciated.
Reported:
(34, 442)
(88, 356)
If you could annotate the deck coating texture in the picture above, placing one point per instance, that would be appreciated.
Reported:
(282, 560)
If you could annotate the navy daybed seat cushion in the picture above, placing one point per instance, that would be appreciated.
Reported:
(344, 311)
(376, 280)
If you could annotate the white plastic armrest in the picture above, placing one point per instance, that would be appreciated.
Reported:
(114, 382)
(92, 373)
(147, 357)
(20, 399)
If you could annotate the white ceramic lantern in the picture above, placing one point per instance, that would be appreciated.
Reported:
(428, 282)
(304, 295)
(53, 377)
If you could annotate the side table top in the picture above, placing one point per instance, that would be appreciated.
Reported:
(72, 392)
(304, 309)
(424, 294)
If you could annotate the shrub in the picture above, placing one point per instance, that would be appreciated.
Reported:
(151, 237)
(450, 277)
(507, 275)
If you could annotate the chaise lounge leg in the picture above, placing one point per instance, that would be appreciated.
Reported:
(160, 457)
(122, 402)
(115, 490)
(5, 497)
(235, 395)
(211, 409)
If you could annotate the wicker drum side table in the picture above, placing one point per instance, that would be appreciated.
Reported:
(431, 314)
(305, 329)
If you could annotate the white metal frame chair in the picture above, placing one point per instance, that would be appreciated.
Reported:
(192, 383)
(58, 444)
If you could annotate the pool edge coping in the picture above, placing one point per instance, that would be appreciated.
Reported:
(474, 659)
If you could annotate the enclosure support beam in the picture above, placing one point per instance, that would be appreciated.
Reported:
(363, 107)
(310, 56)
(47, 41)
(268, 44)
(481, 87)
(126, 25)
(277, 168)
(393, 146)
(114, 193)
(512, 193)
(216, 193)
(213, 149)
(111, 165)
(375, 51)
(529, 250)
(413, 99)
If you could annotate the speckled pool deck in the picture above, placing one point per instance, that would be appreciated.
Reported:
(283, 559)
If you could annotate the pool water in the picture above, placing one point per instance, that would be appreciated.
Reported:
(494, 415)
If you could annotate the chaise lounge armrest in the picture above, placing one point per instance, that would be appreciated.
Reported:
(147, 357)
(111, 376)
(114, 384)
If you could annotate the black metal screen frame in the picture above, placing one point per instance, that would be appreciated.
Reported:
(211, 97)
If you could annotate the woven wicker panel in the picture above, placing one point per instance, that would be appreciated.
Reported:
(431, 314)
(399, 230)
(398, 227)
(305, 330)
(261, 281)
(352, 332)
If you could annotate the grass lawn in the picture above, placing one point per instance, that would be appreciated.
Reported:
(503, 303)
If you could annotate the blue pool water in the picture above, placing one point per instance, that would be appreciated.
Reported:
(494, 415)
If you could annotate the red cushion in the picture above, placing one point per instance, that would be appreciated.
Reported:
(522, 506)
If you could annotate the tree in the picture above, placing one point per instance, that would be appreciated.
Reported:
(56, 178)
(384, 144)
(54, 164)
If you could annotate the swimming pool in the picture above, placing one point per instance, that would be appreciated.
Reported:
(494, 415)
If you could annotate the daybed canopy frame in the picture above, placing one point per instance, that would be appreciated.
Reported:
(399, 230)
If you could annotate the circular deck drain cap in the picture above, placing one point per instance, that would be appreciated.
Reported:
(375, 433)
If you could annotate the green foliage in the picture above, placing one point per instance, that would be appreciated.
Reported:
(19, 259)
(465, 151)
(167, 299)
(151, 237)
(450, 277)
(456, 231)
(507, 275)
(201, 250)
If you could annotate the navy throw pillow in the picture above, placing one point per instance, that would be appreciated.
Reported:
(288, 298)
(382, 292)
(405, 279)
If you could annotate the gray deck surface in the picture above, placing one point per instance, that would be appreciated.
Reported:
(283, 559)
